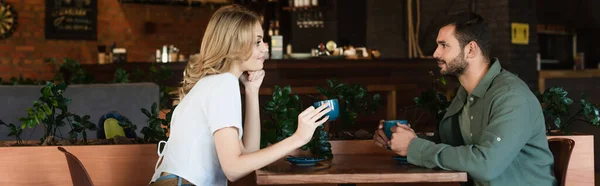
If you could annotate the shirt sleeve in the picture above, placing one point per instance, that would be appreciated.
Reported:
(435, 138)
(507, 133)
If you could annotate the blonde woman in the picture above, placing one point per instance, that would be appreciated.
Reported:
(207, 143)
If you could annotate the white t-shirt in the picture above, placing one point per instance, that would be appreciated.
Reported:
(213, 103)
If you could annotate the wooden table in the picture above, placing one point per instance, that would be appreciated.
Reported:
(353, 168)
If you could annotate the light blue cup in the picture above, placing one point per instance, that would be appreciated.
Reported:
(387, 125)
(333, 104)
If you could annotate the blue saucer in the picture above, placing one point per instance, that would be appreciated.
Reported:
(401, 159)
(303, 161)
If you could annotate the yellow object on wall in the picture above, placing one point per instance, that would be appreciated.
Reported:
(520, 33)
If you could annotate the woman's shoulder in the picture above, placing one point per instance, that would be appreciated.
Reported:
(219, 82)
(220, 78)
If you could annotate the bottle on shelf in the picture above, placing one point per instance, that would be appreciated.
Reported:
(101, 54)
(276, 28)
(165, 54)
(289, 49)
(173, 53)
(270, 32)
(157, 57)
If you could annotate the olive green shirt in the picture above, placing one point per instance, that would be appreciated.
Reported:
(465, 123)
(501, 139)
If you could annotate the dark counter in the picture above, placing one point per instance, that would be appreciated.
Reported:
(410, 76)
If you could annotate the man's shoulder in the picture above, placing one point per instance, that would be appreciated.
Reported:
(508, 84)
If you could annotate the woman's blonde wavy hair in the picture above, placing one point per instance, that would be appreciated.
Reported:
(227, 40)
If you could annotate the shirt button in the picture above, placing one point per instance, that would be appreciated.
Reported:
(471, 117)
(498, 139)
(471, 98)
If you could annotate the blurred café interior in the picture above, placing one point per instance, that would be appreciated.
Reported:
(374, 55)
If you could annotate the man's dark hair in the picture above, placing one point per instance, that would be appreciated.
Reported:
(469, 27)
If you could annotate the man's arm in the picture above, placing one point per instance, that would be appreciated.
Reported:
(500, 142)
(435, 138)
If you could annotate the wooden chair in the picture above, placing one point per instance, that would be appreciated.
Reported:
(561, 150)
(79, 175)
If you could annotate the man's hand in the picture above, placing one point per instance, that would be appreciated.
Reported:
(402, 135)
(379, 137)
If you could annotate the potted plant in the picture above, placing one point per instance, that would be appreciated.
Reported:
(158, 128)
(435, 99)
(70, 72)
(283, 110)
(354, 100)
(51, 112)
(14, 131)
(121, 76)
(135, 162)
(559, 114)
(135, 159)
(431, 102)
(557, 108)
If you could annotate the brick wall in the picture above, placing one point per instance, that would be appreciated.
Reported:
(24, 52)
(386, 24)
(523, 57)
(386, 28)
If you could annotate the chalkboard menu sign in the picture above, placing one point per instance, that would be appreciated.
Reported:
(71, 19)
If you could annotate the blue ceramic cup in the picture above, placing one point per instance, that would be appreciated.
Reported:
(387, 125)
(333, 104)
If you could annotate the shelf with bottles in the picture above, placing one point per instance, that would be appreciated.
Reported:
(304, 8)
(173, 2)
(310, 19)
(168, 54)
(304, 5)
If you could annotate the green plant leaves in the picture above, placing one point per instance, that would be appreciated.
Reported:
(283, 111)
(154, 110)
(353, 99)
(320, 145)
(121, 76)
(284, 108)
(45, 112)
(155, 132)
(557, 108)
(146, 112)
(590, 111)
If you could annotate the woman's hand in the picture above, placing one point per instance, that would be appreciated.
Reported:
(308, 121)
(252, 80)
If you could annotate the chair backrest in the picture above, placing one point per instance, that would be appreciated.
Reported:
(561, 150)
(79, 175)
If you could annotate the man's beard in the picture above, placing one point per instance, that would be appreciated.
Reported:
(456, 67)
